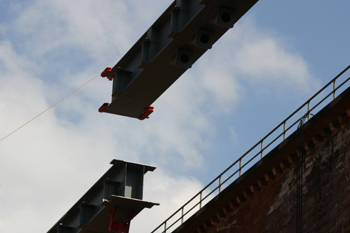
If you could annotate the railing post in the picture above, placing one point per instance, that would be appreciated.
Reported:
(182, 215)
(164, 227)
(240, 167)
(200, 200)
(284, 130)
(262, 148)
(220, 184)
(308, 110)
(334, 86)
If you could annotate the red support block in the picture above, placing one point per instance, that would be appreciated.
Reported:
(118, 226)
(146, 113)
(104, 107)
(106, 72)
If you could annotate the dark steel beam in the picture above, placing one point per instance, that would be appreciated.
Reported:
(178, 38)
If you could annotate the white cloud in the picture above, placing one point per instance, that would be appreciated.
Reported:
(17, 87)
(102, 29)
(263, 59)
(170, 191)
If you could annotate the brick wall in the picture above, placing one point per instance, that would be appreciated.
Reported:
(326, 195)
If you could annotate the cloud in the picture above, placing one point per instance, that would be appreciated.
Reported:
(261, 59)
(171, 191)
(103, 30)
(16, 87)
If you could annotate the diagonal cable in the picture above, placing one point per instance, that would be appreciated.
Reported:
(48, 108)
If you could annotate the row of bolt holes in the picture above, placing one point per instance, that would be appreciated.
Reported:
(205, 38)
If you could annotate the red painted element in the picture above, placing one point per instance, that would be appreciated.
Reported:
(104, 107)
(118, 226)
(106, 72)
(146, 113)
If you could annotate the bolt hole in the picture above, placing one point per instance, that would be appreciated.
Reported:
(205, 38)
(226, 17)
(184, 58)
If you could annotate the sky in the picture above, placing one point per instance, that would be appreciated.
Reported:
(274, 59)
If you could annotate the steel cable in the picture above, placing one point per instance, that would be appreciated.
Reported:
(48, 109)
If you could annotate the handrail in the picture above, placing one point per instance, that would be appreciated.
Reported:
(239, 160)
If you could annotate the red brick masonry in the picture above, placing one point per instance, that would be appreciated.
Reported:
(326, 200)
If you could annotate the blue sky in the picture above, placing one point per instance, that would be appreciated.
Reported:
(259, 72)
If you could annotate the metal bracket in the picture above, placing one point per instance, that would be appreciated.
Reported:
(106, 72)
(104, 107)
(146, 113)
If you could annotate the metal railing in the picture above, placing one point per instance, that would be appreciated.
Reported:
(175, 221)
